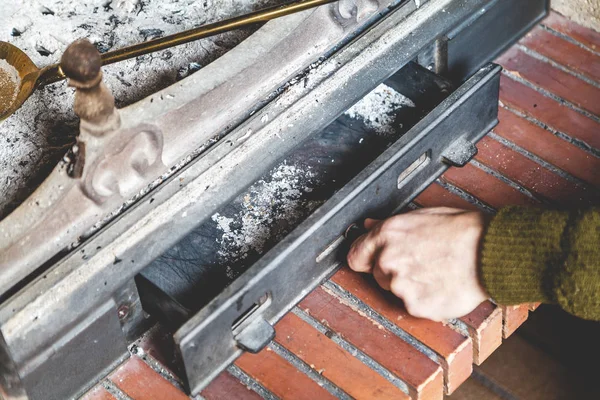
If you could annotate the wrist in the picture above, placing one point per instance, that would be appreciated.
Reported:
(519, 248)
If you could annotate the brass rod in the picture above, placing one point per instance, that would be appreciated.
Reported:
(209, 30)
(53, 73)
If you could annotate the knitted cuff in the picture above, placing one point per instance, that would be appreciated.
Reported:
(577, 284)
(520, 250)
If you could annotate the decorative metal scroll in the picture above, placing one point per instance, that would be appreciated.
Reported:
(118, 156)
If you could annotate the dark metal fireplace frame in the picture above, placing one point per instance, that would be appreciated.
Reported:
(91, 306)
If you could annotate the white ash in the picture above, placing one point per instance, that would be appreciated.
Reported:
(377, 108)
(267, 204)
(38, 135)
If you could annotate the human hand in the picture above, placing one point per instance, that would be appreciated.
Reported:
(427, 257)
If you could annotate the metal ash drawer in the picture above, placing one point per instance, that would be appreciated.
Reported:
(242, 315)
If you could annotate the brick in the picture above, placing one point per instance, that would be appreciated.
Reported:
(486, 187)
(454, 351)
(484, 325)
(423, 376)
(548, 147)
(563, 52)
(280, 377)
(512, 318)
(140, 382)
(583, 35)
(533, 176)
(98, 393)
(436, 196)
(545, 76)
(534, 306)
(333, 362)
(226, 387)
(549, 112)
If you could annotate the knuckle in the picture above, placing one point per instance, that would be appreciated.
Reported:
(352, 252)
(418, 310)
(386, 265)
(399, 288)
(411, 306)
(350, 258)
(356, 267)
(388, 226)
(382, 280)
(351, 264)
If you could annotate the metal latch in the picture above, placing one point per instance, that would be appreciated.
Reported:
(255, 336)
(459, 153)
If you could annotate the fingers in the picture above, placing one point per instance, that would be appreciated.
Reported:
(404, 253)
(370, 223)
(382, 279)
(364, 251)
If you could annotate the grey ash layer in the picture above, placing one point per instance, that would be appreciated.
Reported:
(217, 251)
(34, 139)
(37, 137)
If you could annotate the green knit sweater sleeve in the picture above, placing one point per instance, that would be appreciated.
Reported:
(535, 255)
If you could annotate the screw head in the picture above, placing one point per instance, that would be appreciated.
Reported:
(123, 311)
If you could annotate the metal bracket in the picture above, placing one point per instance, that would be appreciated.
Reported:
(92, 345)
(486, 33)
(435, 57)
(255, 336)
(460, 153)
